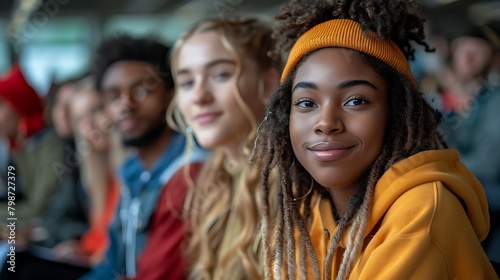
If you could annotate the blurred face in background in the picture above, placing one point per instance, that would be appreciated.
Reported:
(89, 119)
(136, 100)
(9, 120)
(472, 56)
(60, 111)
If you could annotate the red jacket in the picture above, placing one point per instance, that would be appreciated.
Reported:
(163, 256)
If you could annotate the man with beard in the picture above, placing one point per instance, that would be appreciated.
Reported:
(134, 78)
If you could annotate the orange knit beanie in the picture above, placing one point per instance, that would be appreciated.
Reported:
(347, 33)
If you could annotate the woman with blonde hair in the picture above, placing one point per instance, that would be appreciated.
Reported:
(223, 76)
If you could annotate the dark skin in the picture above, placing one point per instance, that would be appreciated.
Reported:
(390, 20)
(338, 119)
(136, 99)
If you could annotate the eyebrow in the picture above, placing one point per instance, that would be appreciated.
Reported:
(353, 83)
(209, 65)
(137, 82)
(343, 85)
(304, 85)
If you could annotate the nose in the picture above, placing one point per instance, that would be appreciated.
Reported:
(124, 104)
(203, 93)
(329, 121)
(128, 100)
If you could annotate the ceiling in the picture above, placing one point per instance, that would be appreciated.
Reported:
(448, 16)
(113, 7)
(455, 17)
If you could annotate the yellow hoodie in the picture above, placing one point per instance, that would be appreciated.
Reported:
(428, 216)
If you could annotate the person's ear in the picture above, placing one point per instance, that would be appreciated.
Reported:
(271, 80)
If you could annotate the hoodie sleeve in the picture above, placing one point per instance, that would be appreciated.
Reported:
(425, 234)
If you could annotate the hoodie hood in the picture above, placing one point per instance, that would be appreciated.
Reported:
(431, 166)
(408, 235)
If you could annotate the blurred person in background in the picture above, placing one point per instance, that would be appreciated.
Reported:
(494, 76)
(224, 77)
(470, 105)
(33, 148)
(93, 138)
(4, 164)
(427, 66)
(90, 128)
(471, 60)
(66, 218)
(135, 81)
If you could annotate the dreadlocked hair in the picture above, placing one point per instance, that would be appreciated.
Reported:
(412, 128)
(222, 205)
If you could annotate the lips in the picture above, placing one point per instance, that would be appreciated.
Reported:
(207, 118)
(128, 124)
(329, 151)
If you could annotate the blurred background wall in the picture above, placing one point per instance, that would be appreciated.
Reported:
(53, 39)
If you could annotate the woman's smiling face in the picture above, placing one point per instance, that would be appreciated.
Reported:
(338, 117)
(207, 78)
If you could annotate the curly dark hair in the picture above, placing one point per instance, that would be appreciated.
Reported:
(390, 19)
(412, 128)
(124, 47)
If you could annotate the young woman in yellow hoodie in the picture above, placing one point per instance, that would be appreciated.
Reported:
(368, 188)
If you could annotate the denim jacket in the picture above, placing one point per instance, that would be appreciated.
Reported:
(139, 195)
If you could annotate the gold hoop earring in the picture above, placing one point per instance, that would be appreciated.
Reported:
(308, 192)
